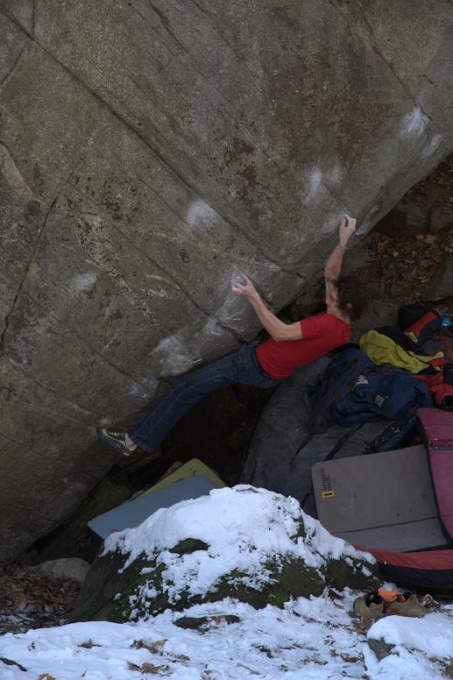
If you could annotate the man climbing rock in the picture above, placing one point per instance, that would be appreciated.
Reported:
(289, 347)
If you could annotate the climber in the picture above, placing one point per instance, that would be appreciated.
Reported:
(265, 365)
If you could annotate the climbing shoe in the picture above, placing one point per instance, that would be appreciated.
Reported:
(114, 438)
(409, 607)
(370, 607)
(382, 602)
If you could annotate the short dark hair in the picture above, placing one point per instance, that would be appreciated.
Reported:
(352, 296)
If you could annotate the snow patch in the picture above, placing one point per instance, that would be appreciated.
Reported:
(399, 630)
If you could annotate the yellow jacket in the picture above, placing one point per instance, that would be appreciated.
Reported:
(383, 350)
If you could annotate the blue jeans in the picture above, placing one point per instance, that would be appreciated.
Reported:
(239, 368)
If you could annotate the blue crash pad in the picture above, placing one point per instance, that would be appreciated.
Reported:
(134, 512)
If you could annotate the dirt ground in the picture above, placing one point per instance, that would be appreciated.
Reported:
(402, 267)
(29, 600)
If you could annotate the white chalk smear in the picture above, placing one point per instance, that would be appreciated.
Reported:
(364, 228)
(173, 357)
(332, 223)
(200, 214)
(213, 329)
(138, 390)
(314, 184)
(83, 282)
(414, 123)
(432, 145)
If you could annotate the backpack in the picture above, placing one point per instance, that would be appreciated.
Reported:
(381, 393)
(423, 345)
(355, 390)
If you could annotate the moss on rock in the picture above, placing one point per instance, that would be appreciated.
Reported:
(119, 594)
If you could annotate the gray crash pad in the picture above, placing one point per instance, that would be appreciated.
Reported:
(381, 500)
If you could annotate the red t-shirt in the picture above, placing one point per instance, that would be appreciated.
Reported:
(320, 334)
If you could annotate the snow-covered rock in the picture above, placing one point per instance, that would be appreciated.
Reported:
(244, 543)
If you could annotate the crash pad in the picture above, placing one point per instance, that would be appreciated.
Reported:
(192, 468)
(283, 447)
(192, 480)
(380, 500)
(437, 431)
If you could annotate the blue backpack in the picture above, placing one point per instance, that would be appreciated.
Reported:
(355, 390)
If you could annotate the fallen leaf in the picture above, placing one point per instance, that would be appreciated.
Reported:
(155, 670)
(89, 644)
(133, 666)
(153, 647)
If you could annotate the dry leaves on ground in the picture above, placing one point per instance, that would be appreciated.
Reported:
(30, 600)
(403, 267)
